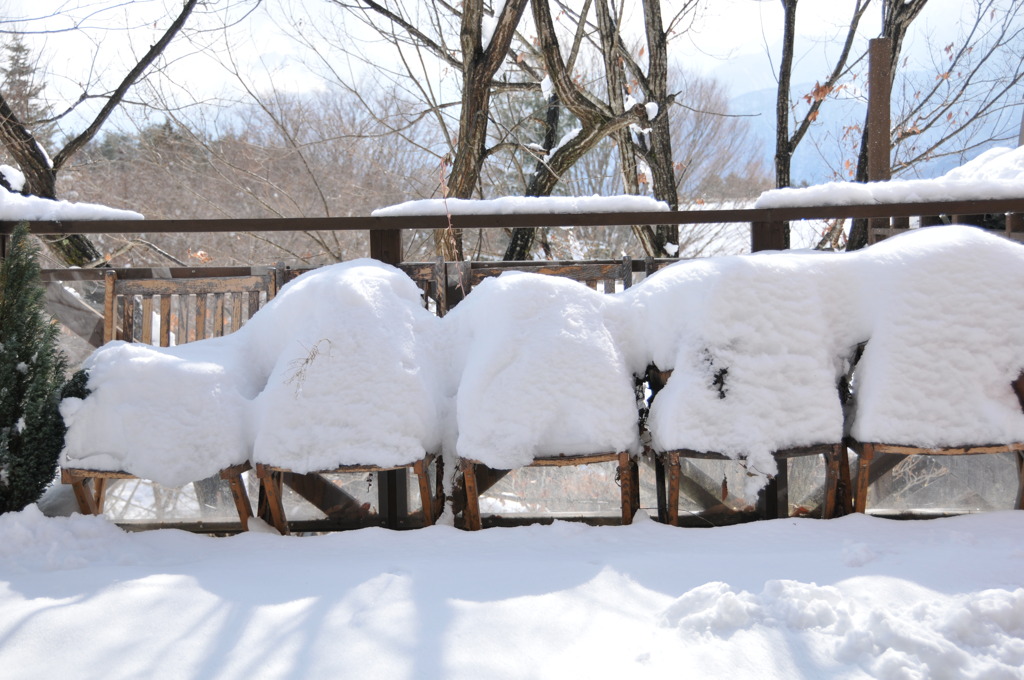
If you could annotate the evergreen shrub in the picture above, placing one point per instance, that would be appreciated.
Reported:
(32, 380)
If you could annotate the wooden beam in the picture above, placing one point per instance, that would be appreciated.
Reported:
(947, 451)
(325, 496)
(668, 217)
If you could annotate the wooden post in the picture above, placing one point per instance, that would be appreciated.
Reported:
(243, 506)
(879, 120)
(1015, 225)
(659, 485)
(768, 236)
(271, 508)
(626, 487)
(392, 487)
(5, 240)
(768, 498)
(386, 245)
(832, 457)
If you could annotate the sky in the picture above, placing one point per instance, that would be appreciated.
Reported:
(729, 40)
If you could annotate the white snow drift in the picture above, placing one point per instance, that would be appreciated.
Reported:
(997, 173)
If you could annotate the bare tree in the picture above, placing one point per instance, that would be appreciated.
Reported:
(41, 170)
(511, 62)
(645, 142)
(787, 136)
(478, 58)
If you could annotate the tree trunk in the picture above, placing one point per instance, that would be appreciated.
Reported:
(783, 146)
(41, 181)
(479, 64)
(597, 121)
(615, 77)
(521, 243)
(660, 159)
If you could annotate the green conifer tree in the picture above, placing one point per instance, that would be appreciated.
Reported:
(23, 89)
(31, 380)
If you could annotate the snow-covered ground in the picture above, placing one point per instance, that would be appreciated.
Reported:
(856, 597)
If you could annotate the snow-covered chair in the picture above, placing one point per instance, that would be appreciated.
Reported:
(353, 381)
(129, 428)
(540, 381)
(941, 373)
(745, 356)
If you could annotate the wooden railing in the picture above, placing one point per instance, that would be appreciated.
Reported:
(767, 225)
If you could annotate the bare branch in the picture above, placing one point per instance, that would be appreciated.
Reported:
(115, 98)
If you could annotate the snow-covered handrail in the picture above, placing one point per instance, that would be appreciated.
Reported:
(503, 221)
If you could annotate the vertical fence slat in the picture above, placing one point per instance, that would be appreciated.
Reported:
(147, 319)
(165, 320)
(200, 324)
(109, 306)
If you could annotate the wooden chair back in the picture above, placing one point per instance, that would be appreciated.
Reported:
(185, 306)
(429, 277)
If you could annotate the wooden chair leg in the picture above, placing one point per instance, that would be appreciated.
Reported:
(420, 468)
(867, 454)
(83, 494)
(674, 480)
(659, 487)
(99, 487)
(439, 497)
(472, 512)
(626, 487)
(270, 484)
(233, 476)
(831, 482)
(780, 489)
(1020, 480)
(845, 484)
